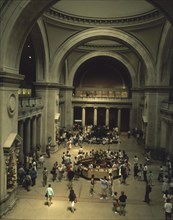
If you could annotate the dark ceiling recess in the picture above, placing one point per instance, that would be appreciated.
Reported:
(102, 72)
(28, 63)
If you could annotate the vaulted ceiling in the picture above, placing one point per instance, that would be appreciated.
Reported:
(103, 9)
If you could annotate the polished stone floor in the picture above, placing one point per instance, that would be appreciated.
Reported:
(31, 205)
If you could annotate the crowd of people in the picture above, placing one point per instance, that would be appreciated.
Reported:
(90, 134)
(70, 168)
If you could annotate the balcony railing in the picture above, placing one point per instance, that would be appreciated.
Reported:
(29, 102)
(115, 94)
(167, 106)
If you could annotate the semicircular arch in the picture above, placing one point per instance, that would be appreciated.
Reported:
(164, 59)
(16, 27)
(113, 55)
(38, 35)
(103, 33)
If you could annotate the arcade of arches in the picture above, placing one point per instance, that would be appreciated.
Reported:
(60, 65)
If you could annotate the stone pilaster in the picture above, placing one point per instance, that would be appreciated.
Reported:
(83, 116)
(134, 114)
(107, 117)
(48, 92)
(9, 84)
(119, 119)
(68, 108)
(95, 115)
(39, 130)
(34, 133)
(28, 136)
(153, 98)
(20, 131)
(170, 133)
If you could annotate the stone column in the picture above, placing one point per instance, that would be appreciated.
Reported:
(9, 124)
(61, 109)
(95, 115)
(130, 120)
(39, 131)
(119, 119)
(49, 92)
(83, 117)
(135, 109)
(153, 100)
(28, 136)
(170, 133)
(107, 117)
(20, 131)
(68, 108)
(34, 133)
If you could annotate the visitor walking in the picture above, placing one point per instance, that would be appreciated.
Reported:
(41, 161)
(45, 176)
(140, 171)
(110, 184)
(48, 150)
(122, 202)
(49, 194)
(92, 183)
(27, 182)
(161, 173)
(73, 199)
(104, 188)
(148, 190)
(70, 177)
(145, 169)
(115, 202)
(150, 178)
(33, 175)
(168, 209)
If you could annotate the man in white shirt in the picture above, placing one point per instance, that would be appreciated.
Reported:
(41, 161)
(168, 209)
(135, 160)
(104, 187)
(49, 194)
(145, 169)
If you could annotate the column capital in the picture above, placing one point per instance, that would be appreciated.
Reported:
(48, 85)
(12, 78)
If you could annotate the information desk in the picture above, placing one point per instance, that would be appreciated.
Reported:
(98, 173)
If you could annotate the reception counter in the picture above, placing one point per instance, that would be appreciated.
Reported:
(98, 173)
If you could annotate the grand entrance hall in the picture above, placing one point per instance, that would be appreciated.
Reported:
(77, 65)
(31, 205)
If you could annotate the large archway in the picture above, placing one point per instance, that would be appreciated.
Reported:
(112, 55)
(103, 33)
(102, 73)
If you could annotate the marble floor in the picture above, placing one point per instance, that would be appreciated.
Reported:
(31, 205)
